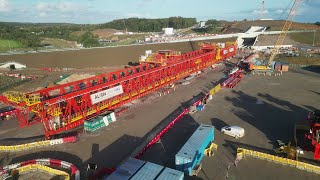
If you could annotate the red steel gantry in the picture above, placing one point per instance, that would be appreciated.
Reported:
(64, 107)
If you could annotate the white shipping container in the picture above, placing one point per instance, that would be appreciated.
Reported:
(105, 120)
(113, 117)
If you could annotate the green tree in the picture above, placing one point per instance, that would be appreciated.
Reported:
(213, 22)
(89, 40)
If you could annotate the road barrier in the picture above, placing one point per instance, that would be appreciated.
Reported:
(44, 162)
(49, 170)
(27, 146)
(241, 153)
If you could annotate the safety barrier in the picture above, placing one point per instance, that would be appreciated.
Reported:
(45, 162)
(241, 153)
(157, 137)
(215, 89)
(49, 170)
(27, 146)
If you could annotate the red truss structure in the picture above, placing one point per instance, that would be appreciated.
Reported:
(64, 107)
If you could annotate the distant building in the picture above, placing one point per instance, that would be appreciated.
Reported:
(168, 31)
(12, 65)
(266, 19)
(202, 24)
(118, 33)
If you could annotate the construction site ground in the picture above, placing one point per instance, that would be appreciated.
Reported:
(266, 107)
(99, 57)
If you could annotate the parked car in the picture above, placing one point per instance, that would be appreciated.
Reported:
(234, 131)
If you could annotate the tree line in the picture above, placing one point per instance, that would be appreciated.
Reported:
(149, 25)
(21, 35)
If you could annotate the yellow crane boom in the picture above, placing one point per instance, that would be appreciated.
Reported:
(285, 29)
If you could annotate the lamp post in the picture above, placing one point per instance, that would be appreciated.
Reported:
(314, 37)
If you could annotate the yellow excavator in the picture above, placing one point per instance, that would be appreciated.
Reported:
(280, 40)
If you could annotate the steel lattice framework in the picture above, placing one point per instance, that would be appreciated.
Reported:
(66, 106)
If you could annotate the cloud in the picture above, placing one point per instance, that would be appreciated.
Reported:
(43, 14)
(62, 7)
(259, 11)
(5, 6)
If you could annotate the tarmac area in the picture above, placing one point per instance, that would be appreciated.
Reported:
(266, 107)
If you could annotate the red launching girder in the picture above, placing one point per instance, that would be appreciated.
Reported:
(65, 107)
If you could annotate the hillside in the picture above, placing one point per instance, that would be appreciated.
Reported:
(274, 25)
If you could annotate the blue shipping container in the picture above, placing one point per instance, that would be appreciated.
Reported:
(148, 171)
(170, 174)
(126, 170)
(192, 152)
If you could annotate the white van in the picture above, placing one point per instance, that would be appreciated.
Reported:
(234, 131)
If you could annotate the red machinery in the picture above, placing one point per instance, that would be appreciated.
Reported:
(233, 80)
(314, 136)
(66, 106)
(7, 111)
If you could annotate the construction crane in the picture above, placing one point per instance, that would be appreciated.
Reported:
(65, 107)
(281, 38)
(262, 10)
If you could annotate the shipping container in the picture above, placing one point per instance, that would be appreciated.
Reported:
(285, 67)
(113, 117)
(94, 124)
(170, 174)
(277, 66)
(126, 170)
(191, 154)
(148, 171)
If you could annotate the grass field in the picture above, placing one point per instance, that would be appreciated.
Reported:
(6, 44)
(306, 37)
(300, 60)
(128, 36)
(59, 43)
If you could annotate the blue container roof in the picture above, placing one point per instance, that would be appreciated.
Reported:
(170, 174)
(126, 170)
(148, 171)
(194, 143)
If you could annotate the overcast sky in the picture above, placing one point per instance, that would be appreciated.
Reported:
(100, 11)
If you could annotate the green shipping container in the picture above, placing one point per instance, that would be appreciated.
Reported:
(94, 124)
(109, 118)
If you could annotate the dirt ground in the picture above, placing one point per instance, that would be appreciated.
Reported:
(98, 57)
(45, 78)
(269, 40)
(266, 107)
